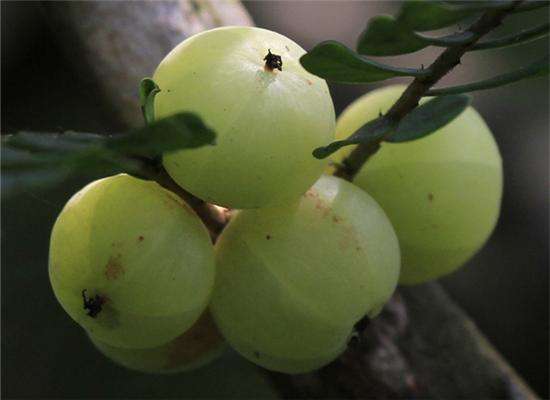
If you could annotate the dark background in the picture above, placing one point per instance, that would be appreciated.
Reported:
(504, 288)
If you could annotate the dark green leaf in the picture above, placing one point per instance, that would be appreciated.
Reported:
(58, 142)
(530, 5)
(372, 131)
(515, 39)
(335, 62)
(179, 131)
(429, 117)
(32, 160)
(148, 89)
(431, 15)
(537, 69)
(385, 36)
(14, 183)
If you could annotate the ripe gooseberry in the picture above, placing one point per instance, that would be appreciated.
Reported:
(269, 114)
(131, 262)
(293, 280)
(442, 192)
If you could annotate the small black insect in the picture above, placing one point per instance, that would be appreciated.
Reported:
(92, 304)
(273, 61)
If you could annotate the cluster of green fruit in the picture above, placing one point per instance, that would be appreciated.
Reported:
(306, 256)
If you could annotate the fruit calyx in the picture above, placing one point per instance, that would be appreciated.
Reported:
(92, 304)
(273, 61)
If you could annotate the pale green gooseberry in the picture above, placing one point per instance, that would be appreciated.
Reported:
(293, 280)
(131, 262)
(442, 192)
(267, 121)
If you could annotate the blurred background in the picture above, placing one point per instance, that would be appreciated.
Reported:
(504, 287)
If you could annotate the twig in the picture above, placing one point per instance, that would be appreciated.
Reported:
(408, 101)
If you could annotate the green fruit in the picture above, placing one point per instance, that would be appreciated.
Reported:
(198, 346)
(293, 280)
(130, 262)
(267, 121)
(442, 192)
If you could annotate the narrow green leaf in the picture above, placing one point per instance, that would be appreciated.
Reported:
(58, 142)
(428, 15)
(148, 89)
(537, 69)
(179, 131)
(372, 131)
(385, 36)
(32, 160)
(335, 62)
(15, 183)
(525, 36)
(530, 5)
(429, 117)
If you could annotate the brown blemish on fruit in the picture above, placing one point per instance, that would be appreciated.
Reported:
(268, 237)
(114, 269)
(140, 238)
(309, 82)
(336, 219)
(430, 197)
(201, 338)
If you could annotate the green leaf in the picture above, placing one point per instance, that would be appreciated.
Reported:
(372, 131)
(524, 36)
(179, 131)
(32, 160)
(385, 36)
(333, 61)
(431, 15)
(53, 142)
(429, 117)
(535, 70)
(530, 5)
(148, 89)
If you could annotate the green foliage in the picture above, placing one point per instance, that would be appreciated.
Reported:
(420, 122)
(524, 36)
(535, 70)
(387, 36)
(147, 92)
(432, 15)
(429, 117)
(333, 61)
(36, 160)
(371, 132)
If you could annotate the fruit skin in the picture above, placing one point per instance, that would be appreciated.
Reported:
(198, 346)
(293, 280)
(142, 250)
(267, 122)
(442, 192)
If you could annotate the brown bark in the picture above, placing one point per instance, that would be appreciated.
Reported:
(120, 42)
(422, 345)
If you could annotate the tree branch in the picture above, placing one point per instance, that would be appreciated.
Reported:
(408, 101)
